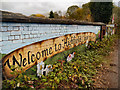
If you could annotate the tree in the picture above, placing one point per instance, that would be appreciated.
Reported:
(71, 10)
(51, 14)
(86, 12)
(60, 13)
(101, 11)
(56, 15)
(78, 14)
(74, 12)
(116, 13)
(37, 15)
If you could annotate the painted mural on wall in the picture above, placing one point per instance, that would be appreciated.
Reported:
(30, 55)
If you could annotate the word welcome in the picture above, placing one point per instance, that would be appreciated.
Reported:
(30, 55)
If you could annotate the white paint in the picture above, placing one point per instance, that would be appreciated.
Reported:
(16, 35)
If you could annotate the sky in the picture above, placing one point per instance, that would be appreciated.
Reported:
(28, 7)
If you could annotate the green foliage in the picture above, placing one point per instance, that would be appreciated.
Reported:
(86, 12)
(101, 11)
(51, 14)
(63, 55)
(20, 80)
(2, 55)
(78, 14)
(116, 13)
(74, 12)
(58, 15)
(72, 9)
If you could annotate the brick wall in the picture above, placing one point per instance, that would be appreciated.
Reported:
(16, 35)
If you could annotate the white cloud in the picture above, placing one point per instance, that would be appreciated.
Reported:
(29, 7)
(37, 6)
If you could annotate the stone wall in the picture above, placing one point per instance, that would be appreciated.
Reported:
(16, 35)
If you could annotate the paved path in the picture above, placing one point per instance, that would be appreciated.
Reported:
(119, 63)
(0, 75)
(109, 75)
(114, 68)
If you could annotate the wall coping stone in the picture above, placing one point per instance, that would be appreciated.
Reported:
(19, 18)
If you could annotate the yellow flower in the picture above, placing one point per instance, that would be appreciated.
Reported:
(69, 74)
(75, 75)
(25, 76)
(53, 67)
(77, 69)
(80, 75)
(74, 67)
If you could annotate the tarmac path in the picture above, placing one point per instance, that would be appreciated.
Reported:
(109, 75)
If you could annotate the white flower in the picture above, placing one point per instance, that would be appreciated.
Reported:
(40, 68)
(48, 69)
(106, 33)
(87, 43)
(69, 58)
(113, 32)
(18, 84)
(31, 86)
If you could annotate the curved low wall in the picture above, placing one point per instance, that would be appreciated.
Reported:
(30, 55)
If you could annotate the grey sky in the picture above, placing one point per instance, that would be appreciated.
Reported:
(29, 7)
